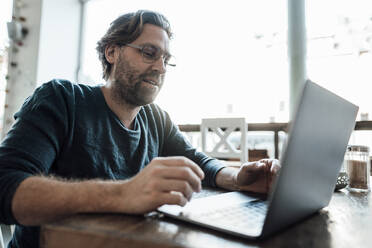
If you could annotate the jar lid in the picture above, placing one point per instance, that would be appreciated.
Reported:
(355, 148)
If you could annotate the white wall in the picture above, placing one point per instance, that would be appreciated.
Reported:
(49, 51)
(22, 77)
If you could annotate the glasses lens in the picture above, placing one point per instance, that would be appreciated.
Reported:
(151, 53)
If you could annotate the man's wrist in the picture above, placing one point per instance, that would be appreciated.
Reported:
(227, 178)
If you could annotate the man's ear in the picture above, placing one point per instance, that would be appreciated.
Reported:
(111, 53)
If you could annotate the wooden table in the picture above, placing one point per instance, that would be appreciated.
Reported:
(346, 222)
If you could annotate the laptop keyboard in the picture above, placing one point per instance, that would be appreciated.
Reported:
(240, 216)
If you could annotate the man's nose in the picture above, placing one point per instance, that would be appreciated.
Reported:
(160, 65)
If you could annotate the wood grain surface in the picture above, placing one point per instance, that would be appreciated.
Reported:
(346, 222)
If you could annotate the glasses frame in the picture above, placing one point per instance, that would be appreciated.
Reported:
(146, 60)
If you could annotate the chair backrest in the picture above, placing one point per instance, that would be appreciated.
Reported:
(1, 239)
(223, 128)
(6, 233)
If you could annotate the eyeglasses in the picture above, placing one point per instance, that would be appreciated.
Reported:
(151, 54)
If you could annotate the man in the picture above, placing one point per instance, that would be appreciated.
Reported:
(76, 148)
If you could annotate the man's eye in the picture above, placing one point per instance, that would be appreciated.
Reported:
(149, 52)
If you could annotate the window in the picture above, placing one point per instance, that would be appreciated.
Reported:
(231, 56)
(340, 53)
(340, 49)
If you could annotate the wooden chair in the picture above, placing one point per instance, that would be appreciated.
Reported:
(1, 239)
(6, 233)
(223, 128)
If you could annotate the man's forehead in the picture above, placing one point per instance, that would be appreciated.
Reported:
(152, 34)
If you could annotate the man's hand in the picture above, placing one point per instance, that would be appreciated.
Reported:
(252, 176)
(170, 180)
(257, 176)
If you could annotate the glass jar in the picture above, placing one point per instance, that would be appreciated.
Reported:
(358, 168)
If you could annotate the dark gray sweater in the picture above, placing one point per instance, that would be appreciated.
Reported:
(67, 130)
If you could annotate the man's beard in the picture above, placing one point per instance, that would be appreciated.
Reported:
(128, 88)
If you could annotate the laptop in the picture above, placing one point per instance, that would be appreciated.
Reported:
(316, 144)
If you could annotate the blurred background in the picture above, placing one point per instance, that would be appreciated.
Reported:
(232, 56)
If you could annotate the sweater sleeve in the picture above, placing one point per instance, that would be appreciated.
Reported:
(175, 144)
(32, 144)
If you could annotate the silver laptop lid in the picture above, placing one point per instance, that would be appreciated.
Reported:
(314, 154)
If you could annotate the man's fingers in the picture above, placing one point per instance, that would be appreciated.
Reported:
(181, 162)
(275, 167)
(253, 167)
(176, 185)
(171, 198)
(184, 174)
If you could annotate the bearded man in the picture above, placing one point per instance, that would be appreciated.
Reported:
(108, 148)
